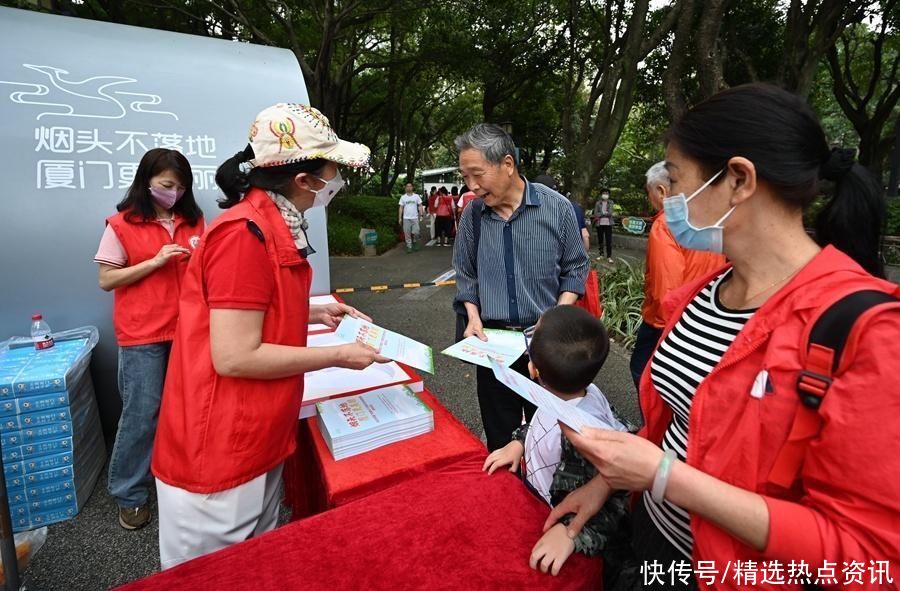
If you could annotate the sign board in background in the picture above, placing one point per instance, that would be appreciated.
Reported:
(634, 225)
(80, 103)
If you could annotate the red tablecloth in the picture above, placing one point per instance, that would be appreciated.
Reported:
(314, 481)
(455, 528)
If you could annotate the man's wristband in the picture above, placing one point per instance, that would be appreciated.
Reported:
(658, 490)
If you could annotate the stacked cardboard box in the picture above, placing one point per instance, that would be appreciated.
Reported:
(52, 443)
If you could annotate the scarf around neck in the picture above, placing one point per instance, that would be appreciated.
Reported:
(292, 217)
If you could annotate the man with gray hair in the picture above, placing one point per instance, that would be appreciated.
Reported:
(518, 253)
(669, 266)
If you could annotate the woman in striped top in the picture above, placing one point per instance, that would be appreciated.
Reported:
(720, 396)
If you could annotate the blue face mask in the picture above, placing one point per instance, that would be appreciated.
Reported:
(685, 233)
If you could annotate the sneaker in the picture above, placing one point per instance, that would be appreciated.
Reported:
(134, 517)
(409, 249)
(610, 261)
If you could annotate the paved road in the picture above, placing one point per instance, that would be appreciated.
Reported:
(93, 552)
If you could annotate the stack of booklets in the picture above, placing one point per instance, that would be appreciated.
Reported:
(53, 448)
(357, 424)
(335, 382)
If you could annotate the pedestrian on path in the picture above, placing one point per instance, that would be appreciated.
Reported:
(410, 212)
(444, 210)
(603, 221)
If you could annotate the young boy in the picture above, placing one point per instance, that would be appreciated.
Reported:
(567, 350)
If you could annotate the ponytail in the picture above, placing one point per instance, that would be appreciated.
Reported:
(853, 219)
(235, 178)
(232, 179)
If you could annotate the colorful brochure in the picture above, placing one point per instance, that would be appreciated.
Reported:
(503, 345)
(390, 344)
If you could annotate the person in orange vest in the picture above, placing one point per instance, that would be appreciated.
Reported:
(232, 396)
(759, 449)
(142, 257)
(668, 266)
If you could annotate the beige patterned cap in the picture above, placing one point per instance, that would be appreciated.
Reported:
(291, 132)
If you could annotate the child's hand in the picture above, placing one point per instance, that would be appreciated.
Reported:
(552, 550)
(509, 455)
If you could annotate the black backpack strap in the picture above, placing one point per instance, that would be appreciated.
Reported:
(821, 358)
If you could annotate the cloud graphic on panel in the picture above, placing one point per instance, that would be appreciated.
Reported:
(94, 97)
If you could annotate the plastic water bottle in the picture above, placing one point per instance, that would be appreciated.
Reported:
(40, 333)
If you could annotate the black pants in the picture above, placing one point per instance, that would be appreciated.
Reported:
(647, 337)
(604, 236)
(443, 228)
(501, 408)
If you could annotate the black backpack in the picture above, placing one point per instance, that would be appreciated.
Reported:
(832, 329)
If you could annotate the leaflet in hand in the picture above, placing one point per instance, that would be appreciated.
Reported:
(568, 414)
(503, 345)
(390, 344)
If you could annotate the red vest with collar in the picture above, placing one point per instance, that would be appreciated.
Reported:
(217, 432)
(146, 311)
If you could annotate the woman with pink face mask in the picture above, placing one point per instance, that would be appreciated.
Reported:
(142, 257)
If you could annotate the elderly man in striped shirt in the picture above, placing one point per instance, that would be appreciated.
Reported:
(518, 253)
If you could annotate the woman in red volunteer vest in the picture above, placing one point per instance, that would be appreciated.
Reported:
(741, 483)
(232, 396)
(142, 256)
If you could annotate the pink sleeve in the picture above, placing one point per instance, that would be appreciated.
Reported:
(111, 252)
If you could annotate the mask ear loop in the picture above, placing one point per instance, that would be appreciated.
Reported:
(704, 185)
(724, 217)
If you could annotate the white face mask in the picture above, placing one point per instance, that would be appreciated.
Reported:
(326, 194)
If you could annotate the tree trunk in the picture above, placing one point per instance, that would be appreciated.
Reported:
(708, 54)
(673, 87)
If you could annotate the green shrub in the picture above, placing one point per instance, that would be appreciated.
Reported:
(622, 294)
(375, 211)
(348, 215)
(343, 236)
(893, 217)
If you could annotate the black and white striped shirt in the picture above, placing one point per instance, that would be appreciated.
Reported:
(523, 263)
(685, 357)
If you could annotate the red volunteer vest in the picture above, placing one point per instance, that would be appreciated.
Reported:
(215, 432)
(146, 311)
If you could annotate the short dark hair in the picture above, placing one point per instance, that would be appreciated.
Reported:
(138, 203)
(568, 348)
